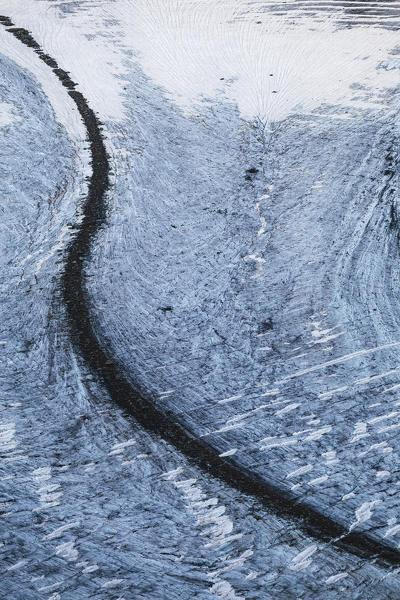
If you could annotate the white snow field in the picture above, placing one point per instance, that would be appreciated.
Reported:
(246, 280)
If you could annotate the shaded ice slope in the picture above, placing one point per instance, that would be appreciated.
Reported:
(76, 450)
(90, 505)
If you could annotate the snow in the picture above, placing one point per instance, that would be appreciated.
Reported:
(7, 115)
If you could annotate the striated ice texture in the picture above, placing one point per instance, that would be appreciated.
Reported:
(246, 279)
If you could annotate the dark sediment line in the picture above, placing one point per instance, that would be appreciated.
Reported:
(123, 391)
